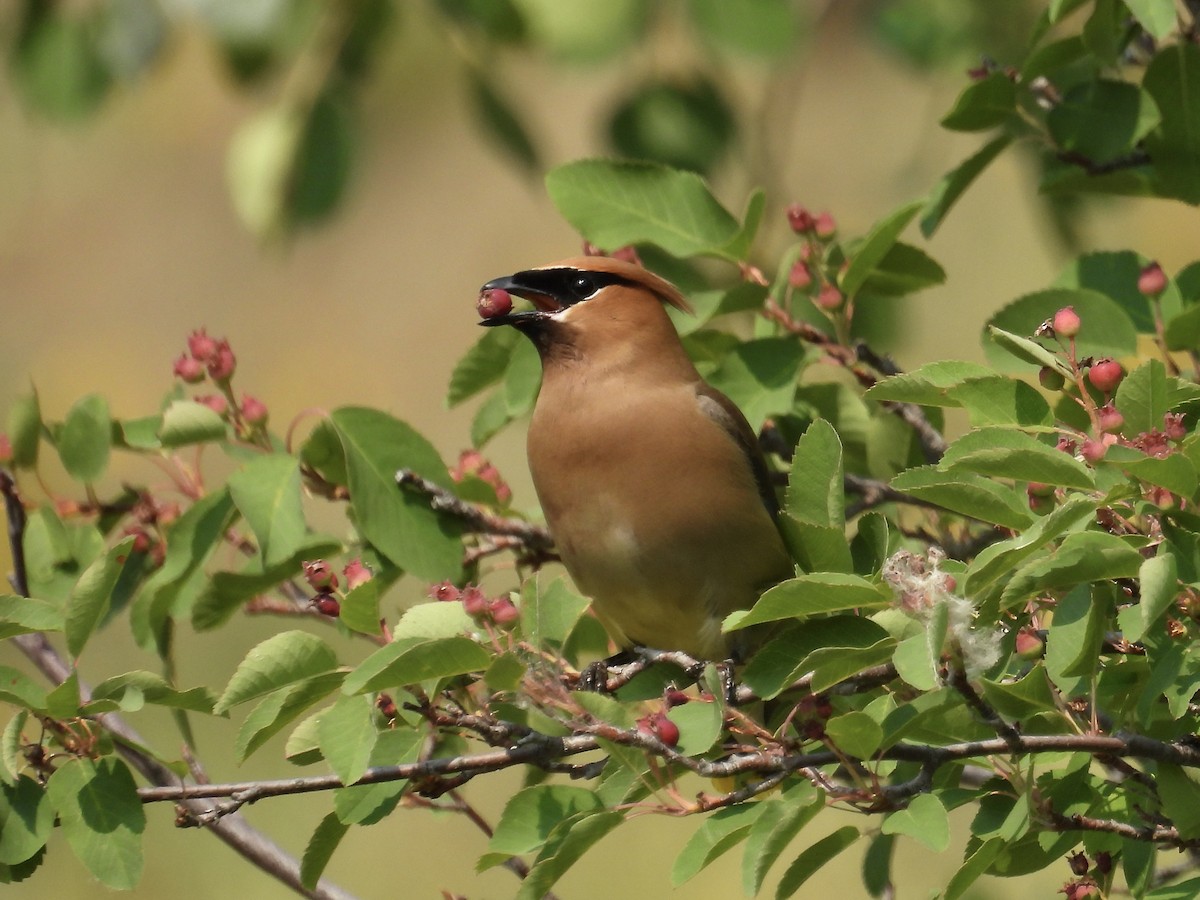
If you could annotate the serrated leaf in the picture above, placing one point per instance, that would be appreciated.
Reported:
(102, 818)
(346, 735)
(967, 494)
(531, 814)
(718, 834)
(815, 491)
(85, 439)
(1107, 328)
(187, 422)
(1102, 119)
(400, 525)
(277, 662)
(997, 400)
(785, 816)
(867, 255)
(1081, 558)
(267, 493)
(1075, 634)
(925, 819)
(1008, 453)
(813, 858)
(614, 203)
(928, 385)
(811, 594)
(955, 182)
(320, 849)
(409, 662)
(1147, 393)
(92, 595)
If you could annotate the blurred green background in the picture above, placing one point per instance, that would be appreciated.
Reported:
(118, 236)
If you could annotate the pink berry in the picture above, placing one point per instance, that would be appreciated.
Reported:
(1066, 322)
(201, 346)
(825, 226)
(327, 605)
(216, 403)
(1029, 644)
(6, 450)
(474, 601)
(494, 303)
(1110, 418)
(319, 574)
(799, 277)
(189, 369)
(1173, 427)
(1093, 451)
(254, 410)
(829, 298)
(444, 592)
(675, 697)
(503, 611)
(222, 364)
(1105, 374)
(356, 573)
(1152, 280)
(800, 219)
(659, 726)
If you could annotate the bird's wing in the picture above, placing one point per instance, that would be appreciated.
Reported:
(725, 413)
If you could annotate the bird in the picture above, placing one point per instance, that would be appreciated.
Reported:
(651, 481)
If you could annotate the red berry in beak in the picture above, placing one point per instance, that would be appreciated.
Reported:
(493, 303)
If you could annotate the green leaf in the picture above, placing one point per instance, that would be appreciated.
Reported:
(522, 380)
(815, 490)
(785, 816)
(812, 594)
(502, 123)
(929, 385)
(360, 608)
(186, 422)
(767, 29)
(1081, 558)
(26, 820)
(280, 707)
(92, 595)
(1075, 635)
(1158, 579)
(779, 662)
(58, 66)
(1173, 80)
(549, 614)
(346, 736)
(407, 662)
(1183, 890)
(1101, 119)
(955, 182)
(855, 733)
(133, 689)
(567, 843)
(366, 804)
(531, 814)
(428, 621)
(12, 740)
(1159, 17)
(973, 867)
(102, 818)
(867, 255)
(700, 724)
(832, 665)
(1008, 453)
(685, 123)
(1026, 350)
(1107, 329)
(400, 525)
(983, 104)
(614, 203)
(1027, 696)
(997, 400)
(1180, 799)
(967, 494)
(1147, 393)
(1115, 274)
(277, 662)
(760, 377)
(85, 439)
(483, 365)
(719, 833)
(23, 615)
(814, 857)
(25, 430)
(320, 849)
(903, 270)
(925, 819)
(267, 493)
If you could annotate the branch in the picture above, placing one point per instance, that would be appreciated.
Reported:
(247, 841)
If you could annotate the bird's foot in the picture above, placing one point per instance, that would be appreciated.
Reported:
(594, 677)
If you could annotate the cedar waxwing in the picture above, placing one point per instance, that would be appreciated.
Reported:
(651, 480)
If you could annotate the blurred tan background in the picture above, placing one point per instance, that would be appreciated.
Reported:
(117, 238)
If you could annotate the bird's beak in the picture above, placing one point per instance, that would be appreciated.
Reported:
(544, 304)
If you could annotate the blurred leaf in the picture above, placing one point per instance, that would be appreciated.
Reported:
(983, 104)
(947, 191)
(1158, 17)
(408, 662)
(57, 64)
(320, 849)
(25, 615)
(92, 595)
(131, 36)
(20, 690)
(502, 123)
(925, 819)
(682, 124)
(25, 430)
(925, 33)
(767, 29)
(1102, 120)
(400, 525)
(500, 20)
(549, 613)
(719, 833)
(1158, 582)
(85, 439)
(967, 494)
(1180, 799)
(617, 203)
(903, 270)
(867, 256)
(187, 422)
(277, 662)
(1106, 331)
(266, 492)
(101, 817)
(347, 735)
(810, 595)
(582, 31)
(785, 816)
(1105, 33)
(1173, 80)
(813, 858)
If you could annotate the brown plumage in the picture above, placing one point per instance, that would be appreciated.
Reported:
(651, 480)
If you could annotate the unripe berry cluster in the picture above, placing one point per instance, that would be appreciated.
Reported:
(808, 271)
(483, 609)
(324, 581)
(208, 357)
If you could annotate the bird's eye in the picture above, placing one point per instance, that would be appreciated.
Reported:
(583, 287)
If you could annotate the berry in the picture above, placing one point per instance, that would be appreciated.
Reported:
(659, 726)
(800, 219)
(1110, 418)
(327, 605)
(675, 697)
(503, 611)
(386, 706)
(1051, 379)
(201, 346)
(829, 298)
(319, 574)
(222, 363)
(474, 601)
(254, 411)
(1152, 280)
(1078, 863)
(825, 226)
(1173, 427)
(1029, 644)
(494, 303)
(189, 369)
(1093, 451)
(444, 591)
(1105, 374)
(1066, 322)
(799, 277)
(356, 573)
(216, 403)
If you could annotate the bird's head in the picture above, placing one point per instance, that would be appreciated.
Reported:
(586, 296)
